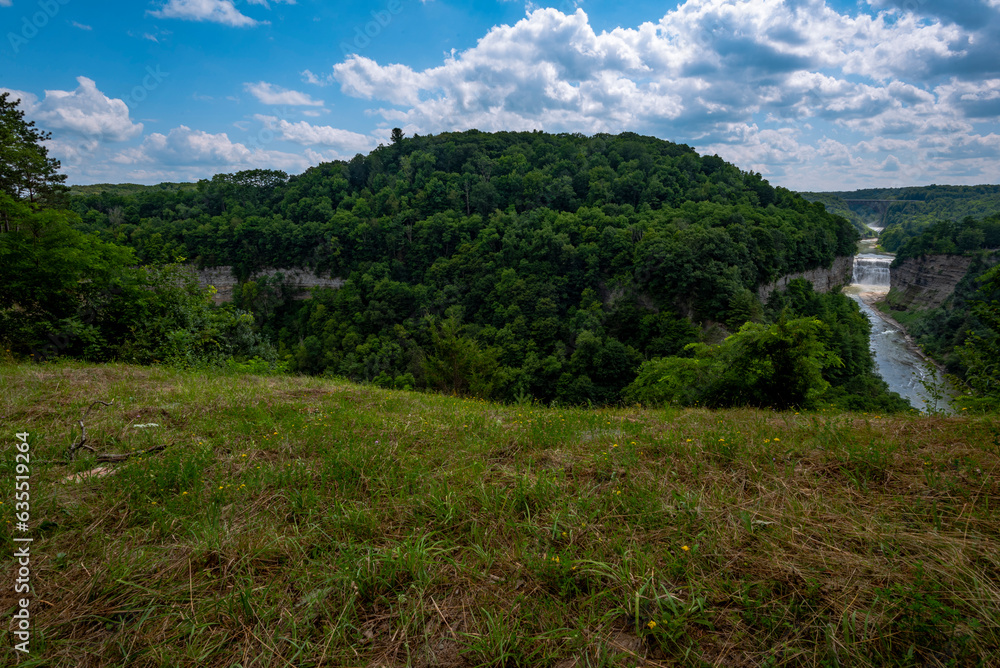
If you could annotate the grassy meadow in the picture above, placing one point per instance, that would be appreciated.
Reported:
(296, 521)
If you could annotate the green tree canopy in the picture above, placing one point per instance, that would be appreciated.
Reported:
(27, 173)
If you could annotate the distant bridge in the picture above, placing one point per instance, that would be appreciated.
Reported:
(881, 206)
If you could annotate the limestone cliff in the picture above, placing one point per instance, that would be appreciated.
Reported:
(303, 280)
(823, 280)
(925, 282)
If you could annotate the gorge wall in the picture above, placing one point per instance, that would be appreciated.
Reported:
(305, 281)
(302, 280)
(925, 282)
(823, 280)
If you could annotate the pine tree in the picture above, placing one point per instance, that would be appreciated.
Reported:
(27, 173)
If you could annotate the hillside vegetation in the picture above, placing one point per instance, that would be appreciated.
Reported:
(943, 237)
(309, 522)
(498, 265)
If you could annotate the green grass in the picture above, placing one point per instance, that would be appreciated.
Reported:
(305, 522)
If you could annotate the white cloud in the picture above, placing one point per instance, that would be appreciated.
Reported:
(809, 94)
(214, 11)
(81, 26)
(184, 146)
(973, 99)
(270, 94)
(345, 141)
(310, 78)
(186, 150)
(6, 3)
(84, 111)
(706, 63)
(778, 87)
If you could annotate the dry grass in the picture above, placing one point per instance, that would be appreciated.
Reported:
(303, 522)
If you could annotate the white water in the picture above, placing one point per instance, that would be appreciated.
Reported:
(872, 270)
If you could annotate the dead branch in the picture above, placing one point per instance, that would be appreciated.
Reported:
(104, 457)
(110, 456)
(71, 453)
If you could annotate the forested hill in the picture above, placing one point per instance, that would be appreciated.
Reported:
(506, 264)
(417, 201)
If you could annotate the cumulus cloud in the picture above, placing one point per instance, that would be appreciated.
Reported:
(189, 150)
(884, 92)
(270, 94)
(345, 141)
(183, 146)
(778, 87)
(977, 100)
(84, 111)
(709, 62)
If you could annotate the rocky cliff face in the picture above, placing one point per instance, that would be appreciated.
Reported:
(823, 280)
(222, 279)
(925, 282)
(303, 280)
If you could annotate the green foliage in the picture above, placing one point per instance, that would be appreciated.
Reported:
(70, 290)
(924, 624)
(141, 314)
(27, 173)
(815, 351)
(572, 259)
(981, 351)
(836, 205)
(456, 363)
(777, 365)
(47, 266)
(854, 384)
(943, 237)
(163, 315)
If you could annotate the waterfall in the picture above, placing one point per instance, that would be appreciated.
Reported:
(871, 270)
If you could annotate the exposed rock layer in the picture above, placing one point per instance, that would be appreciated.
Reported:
(823, 280)
(303, 280)
(925, 282)
(223, 280)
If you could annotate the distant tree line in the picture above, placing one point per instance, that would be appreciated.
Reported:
(941, 237)
(933, 203)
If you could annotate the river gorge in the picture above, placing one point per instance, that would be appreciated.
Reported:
(897, 359)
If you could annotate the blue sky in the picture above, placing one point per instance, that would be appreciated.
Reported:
(814, 95)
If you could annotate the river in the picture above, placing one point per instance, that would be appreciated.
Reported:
(897, 360)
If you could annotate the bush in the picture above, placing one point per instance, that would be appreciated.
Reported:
(779, 365)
